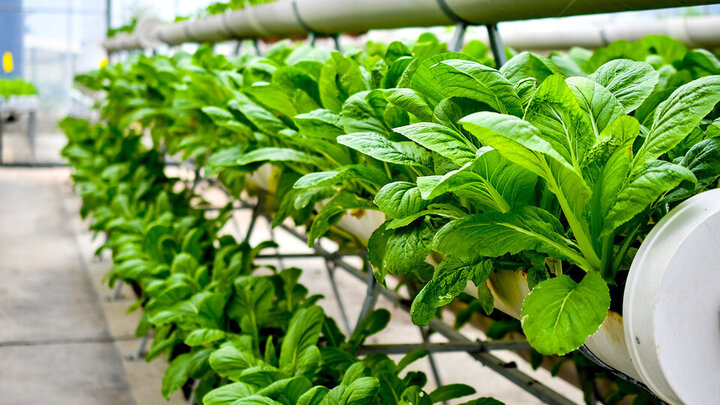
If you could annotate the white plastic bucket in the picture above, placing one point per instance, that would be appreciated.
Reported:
(672, 304)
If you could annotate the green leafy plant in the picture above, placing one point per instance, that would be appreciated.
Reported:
(554, 166)
(16, 87)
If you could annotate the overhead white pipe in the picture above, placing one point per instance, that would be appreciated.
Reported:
(144, 36)
(695, 32)
(288, 18)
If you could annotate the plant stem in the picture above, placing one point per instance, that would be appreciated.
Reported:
(584, 243)
(607, 244)
(629, 239)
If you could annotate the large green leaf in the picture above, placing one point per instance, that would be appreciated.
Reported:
(493, 234)
(676, 117)
(231, 362)
(363, 112)
(273, 98)
(400, 199)
(621, 133)
(450, 279)
(362, 391)
(606, 188)
(368, 173)
(517, 140)
(450, 391)
(560, 314)
(340, 78)
(523, 144)
(264, 120)
(527, 65)
(643, 190)
(200, 337)
(313, 396)
(176, 375)
(469, 79)
(630, 82)
(407, 248)
(703, 160)
(381, 148)
(301, 340)
(490, 181)
(411, 101)
(319, 124)
(554, 110)
(331, 213)
(597, 102)
(440, 139)
(277, 155)
(228, 394)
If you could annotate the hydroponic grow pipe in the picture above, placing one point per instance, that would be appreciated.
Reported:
(700, 32)
(287, 18)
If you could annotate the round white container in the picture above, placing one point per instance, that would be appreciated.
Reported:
(672, 304)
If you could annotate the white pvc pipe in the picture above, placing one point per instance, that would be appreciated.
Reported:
(287, 18)
(694, 32)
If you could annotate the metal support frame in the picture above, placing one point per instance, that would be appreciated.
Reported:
(336, 42)
(446, 347)
(496, 45)
(458, 39)
(371, 295)
(425, 334)
(330, 266)
(117, 291)
(31, 132)
(140, 353)
(620, 375)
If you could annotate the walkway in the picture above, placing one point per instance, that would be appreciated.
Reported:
(55, 346)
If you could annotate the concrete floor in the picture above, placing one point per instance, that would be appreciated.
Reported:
(55, 346)
(64, 341)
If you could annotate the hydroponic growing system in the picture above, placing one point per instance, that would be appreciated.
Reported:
(574, 192)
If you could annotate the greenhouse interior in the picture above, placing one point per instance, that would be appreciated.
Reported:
(395, 202)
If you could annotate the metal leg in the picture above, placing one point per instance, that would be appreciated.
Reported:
(255, 214)
(140, 352)
(117, 292)
(336, 41)
(236, 225)
(256, 45)
(196, 180)
(458, 39)
(191, 397)
(330, 268)
(431, 358)
(373, 292)
(31, 134)
(587, 386)
(271, 230)
(496, 45)
(311, 39)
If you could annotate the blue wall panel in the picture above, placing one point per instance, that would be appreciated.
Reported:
(11, 34)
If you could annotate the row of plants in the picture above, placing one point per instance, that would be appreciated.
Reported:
(555, 166)
(237, 331)
(16, 87)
